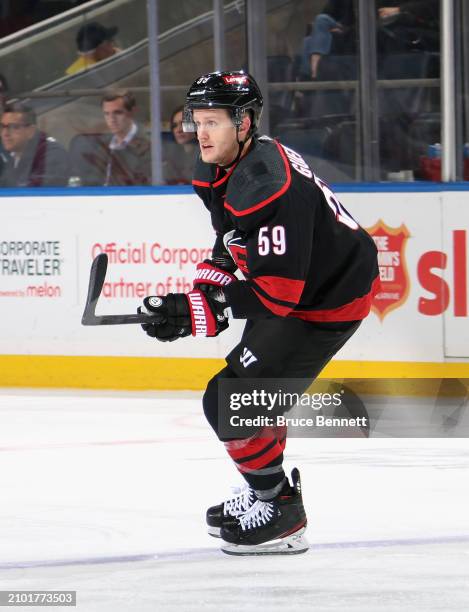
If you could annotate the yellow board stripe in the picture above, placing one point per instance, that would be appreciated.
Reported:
(143, 373)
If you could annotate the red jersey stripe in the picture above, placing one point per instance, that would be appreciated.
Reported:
(353, 311)
(277, 309)
(224, 177)
(216, 182)
(262, 203)
(285, 289)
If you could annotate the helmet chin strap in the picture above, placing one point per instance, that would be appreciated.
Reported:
(240, 149)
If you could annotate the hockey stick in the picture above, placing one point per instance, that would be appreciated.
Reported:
(97, 277)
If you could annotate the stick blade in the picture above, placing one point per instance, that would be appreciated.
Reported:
(96, 282)
(97, 277)
(95, 286)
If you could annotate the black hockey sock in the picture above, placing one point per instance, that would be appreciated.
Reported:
(267, 482)
(269, 494)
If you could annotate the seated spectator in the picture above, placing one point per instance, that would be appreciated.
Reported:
(129, 149)
(405, 25)
(180, 154)
(34, 159)
(120, 157)
(95, 43)
(332, 29)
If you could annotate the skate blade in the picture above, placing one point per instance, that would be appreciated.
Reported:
(294, 544)
(214, 532)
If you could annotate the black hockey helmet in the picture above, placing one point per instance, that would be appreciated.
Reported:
(237, 91)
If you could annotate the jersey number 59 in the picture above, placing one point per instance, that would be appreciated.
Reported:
(272, 240)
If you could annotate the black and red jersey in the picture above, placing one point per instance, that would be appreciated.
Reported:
(301, 253)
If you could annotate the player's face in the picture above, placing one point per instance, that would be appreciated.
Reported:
(15, 132)
(117, 117)
(217, 136)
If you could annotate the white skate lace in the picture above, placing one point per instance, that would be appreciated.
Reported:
(243, 498)
(259, 514)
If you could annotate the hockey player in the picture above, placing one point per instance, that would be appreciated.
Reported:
(309, 274)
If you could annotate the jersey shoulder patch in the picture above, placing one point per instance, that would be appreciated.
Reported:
(260, 179)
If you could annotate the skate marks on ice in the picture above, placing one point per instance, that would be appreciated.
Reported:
(122, 521)
(335, 577)
(191, 555)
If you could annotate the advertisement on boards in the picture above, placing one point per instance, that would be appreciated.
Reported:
(154, 242)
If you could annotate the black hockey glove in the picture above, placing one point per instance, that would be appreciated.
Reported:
(221, 256)
(209, 277)
(183, 314)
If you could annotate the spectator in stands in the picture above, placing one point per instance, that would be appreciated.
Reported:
(405, 25)
(34, 159)
(334, 28)
(95, 43)
(127, 146)
(180, 154)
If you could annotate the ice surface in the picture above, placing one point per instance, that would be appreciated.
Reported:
(106, 494)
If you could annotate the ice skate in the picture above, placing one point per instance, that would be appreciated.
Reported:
(269, 528)
(243, 498)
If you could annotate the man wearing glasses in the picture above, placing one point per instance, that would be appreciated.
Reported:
(33, 158)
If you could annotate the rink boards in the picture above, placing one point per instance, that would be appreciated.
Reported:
(154, 238)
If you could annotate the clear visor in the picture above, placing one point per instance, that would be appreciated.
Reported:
(204, 119)
(206, 124)
(189, 126)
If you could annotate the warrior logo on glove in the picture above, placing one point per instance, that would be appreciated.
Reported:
(209, 277)
(183, 314)
(209, 274)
